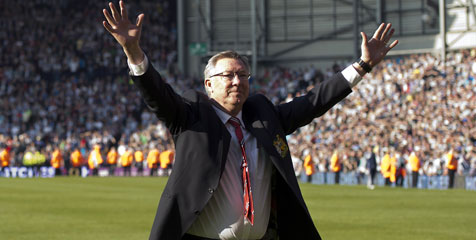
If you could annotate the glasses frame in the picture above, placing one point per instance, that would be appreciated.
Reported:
(235, 74)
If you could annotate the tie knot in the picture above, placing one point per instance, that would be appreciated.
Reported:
(235, 122)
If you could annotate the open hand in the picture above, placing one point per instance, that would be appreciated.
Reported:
(126, 33)
(375, 49)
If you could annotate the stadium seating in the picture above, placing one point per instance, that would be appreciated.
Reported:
(64, 83)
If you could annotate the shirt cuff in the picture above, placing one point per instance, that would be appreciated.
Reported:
(139, 69)
(351, 75)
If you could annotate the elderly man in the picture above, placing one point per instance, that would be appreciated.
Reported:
(233, 176)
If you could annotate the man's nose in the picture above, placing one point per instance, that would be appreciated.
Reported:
(236, 80)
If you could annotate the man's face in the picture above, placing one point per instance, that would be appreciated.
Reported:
(230, 87)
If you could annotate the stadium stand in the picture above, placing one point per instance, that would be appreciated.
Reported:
(64, 83)
(63, 80)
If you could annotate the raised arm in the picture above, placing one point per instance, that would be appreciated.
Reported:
(126, 33)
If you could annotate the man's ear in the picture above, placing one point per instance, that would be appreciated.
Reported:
(208, 85)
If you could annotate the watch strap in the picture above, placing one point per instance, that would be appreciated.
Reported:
(364, 65)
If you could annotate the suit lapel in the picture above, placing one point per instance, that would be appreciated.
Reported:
(218, 131)
(259, 129)
(260, 124)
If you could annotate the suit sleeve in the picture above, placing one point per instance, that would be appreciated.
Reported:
(162, 100)
(302, 110)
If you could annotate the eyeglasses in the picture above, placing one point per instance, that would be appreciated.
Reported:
(231, 75)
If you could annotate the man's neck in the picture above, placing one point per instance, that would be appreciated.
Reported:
(232, 112)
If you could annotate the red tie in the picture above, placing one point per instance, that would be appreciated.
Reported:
(247, 196)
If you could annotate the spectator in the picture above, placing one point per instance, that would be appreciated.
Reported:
(371, 167)
(401, 172)
(46, 88)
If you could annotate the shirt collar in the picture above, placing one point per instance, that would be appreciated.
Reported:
(224, 117)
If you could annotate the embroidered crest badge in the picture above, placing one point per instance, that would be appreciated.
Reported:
(280, 146)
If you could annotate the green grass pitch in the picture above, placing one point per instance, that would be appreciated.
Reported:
(124, 208)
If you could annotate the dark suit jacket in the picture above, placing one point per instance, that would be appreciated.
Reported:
(202, 141)
(372, 162)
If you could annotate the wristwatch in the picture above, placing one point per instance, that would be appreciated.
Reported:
(367, 68)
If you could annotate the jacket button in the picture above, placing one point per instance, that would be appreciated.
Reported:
(210, 190)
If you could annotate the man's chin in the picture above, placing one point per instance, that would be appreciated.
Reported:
(239, 100)
(236, 97)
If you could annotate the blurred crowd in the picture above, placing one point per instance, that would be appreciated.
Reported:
(64, 86)
(64, 81)
(410, 105)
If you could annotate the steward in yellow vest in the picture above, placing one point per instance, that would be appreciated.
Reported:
(112, 160)
(309, 167)
(57, 161)
(139, 159)
(336, 166)
(126, 162)
(152, 161)
(166, 160)
(76, 162)
(385, 168)
(452, 166)
(95, 159)
(4, 160)
(415, 166)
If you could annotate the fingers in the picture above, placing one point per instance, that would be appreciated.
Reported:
(115, 13)
(394, 43)
(109, 19)
(140, 20)
(123, 10)
(378, 32)
(364, 37)
(107, 26)
(387, 38)
(384, 34)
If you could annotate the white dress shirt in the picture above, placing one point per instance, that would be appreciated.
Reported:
(222, 217)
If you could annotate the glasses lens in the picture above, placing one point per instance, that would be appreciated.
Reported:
(243, 76)
(231, 75)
